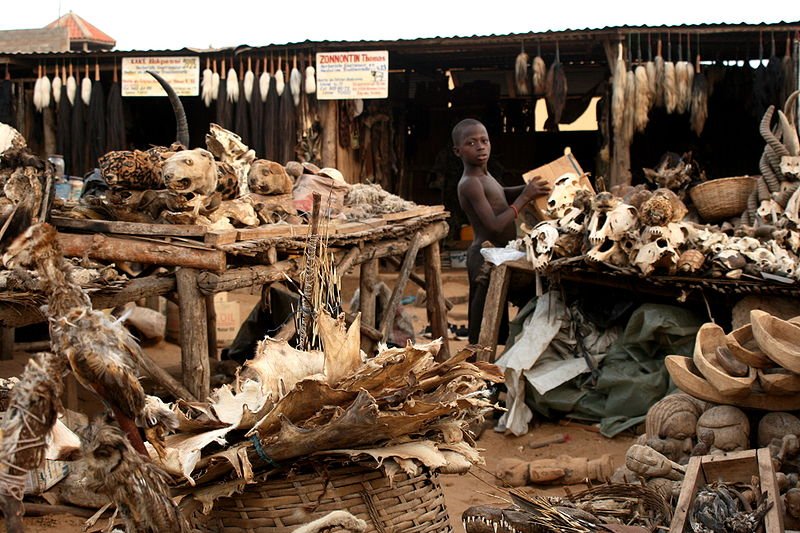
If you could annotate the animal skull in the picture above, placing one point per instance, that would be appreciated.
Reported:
(564, 190)
(609, 252)
(764, 259)
(190, 172)
(790, 167)
(539, 244)
(573, 220)
(656, 254)
(611, 224)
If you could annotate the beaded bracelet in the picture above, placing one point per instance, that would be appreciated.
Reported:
(514, 208)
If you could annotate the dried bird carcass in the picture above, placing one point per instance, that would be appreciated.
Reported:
(721, 507)
(139, 489)
(34, 405)
(555, 93)
(521, 72)
(101, 352)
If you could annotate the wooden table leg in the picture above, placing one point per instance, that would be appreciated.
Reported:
(435, 301)
(6, 343)
(493, 312)
(368, 281)
(399, 288)
(194, 333)
(211, 319)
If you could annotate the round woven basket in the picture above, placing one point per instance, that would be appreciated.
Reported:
(283, 503)
(722, 198)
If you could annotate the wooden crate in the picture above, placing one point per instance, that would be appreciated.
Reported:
(731, 467)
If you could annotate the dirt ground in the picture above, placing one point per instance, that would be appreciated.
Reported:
(461, 491)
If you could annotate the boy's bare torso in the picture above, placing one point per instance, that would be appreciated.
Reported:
(495, 196)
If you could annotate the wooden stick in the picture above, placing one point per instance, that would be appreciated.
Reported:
(558, 438)
(421, 283)
(194, 334)
(163, 378)
(106, 248)
(435, 302)
(43, 509)
(210, 282)
(368, 281)
(211, 323)
(496, 294)
(397, 294)
(30, 347)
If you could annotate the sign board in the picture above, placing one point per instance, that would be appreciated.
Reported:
(351, 75)
(182, 73)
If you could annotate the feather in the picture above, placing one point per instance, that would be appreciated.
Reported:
(72, 87)
(630, 108)
(37, 94)
(670, 87)
(86, 89)
(790, 138)
(249, 80)
(618, 93)
(539, 75)
(207, 85)
(263, 85)
(232, 85)
(280, 83)
(642, 98)
(699, 103)
(521, 72)
(56, 86)
(295, 83)
(311, 80)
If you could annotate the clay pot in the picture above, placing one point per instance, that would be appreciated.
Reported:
(745, 348)
(709, 338)
(778, 339)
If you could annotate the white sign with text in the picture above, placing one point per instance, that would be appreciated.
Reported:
(351, 75)
(182, 73)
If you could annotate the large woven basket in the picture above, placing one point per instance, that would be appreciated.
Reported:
(281, 504)
(722, 198)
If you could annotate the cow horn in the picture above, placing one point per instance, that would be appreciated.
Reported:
(182, 134)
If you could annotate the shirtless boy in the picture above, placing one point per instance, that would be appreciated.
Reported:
(490, 208)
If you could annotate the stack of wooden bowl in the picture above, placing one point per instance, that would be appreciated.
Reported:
(756, 365)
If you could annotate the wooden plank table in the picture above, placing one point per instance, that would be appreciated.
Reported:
(206, 265)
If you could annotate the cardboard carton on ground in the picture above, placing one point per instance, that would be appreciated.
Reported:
(550, 173)
(228, 320)
(43, 478)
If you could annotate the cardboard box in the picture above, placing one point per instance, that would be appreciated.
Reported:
(550, 173)
(49, 474)
(228, 320)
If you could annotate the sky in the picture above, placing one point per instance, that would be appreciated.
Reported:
(170, 24)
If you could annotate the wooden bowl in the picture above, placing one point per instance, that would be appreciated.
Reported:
(709, 337)
(745, 348)
(778, 339)
(686, 376)
(779, 381)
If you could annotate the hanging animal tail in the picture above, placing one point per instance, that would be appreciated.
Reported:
(182, 133)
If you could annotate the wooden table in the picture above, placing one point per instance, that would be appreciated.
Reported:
(208, 263)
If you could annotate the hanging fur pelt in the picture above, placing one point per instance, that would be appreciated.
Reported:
(629, 120)
(232, 85)
(56, 86)
(72, 87)
(682, 91)
(37, 92)
(555, 92)
(618, 93)
(263, 82)
(521, 73)
(539, 75)
(249, 81)
(699, 101)
(86, 88)
(642, 98)
(215, 82)
(775, 79)
(295, 82)
(280, 82)
(206, 84)
(658, 94)
(310, 77)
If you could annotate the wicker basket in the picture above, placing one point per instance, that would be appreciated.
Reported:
(281, 504)
(722, 198)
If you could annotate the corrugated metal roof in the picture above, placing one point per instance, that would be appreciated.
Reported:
(81, 31)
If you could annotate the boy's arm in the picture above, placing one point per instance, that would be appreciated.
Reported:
(512, 193)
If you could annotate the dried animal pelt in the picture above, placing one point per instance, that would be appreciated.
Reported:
(658, 95)
(539, 75)
(643, 98)
(521, 73)
(670, 87)
(72, 87)
(207, 84)
(618, 92)
(629, 115)
(699, 107)
(86, 87)
(555, 92)
(295, 82)
(789, 73)
(263, 82)
(682, 87)
(232, 85)
(249, 81)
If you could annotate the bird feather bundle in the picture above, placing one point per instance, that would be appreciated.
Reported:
(642, 98)
(539, 75)
(682, 86)
(699, 105)
(280, 82)
(311, 80)
(206, 86)
(72, 89)
(521, 73)
(56, 86)
(86, 89)
(670, 87)
(295, 83)
(618, 93)
(263, 84)
(232, 85)
(629, 120)
(249, 80)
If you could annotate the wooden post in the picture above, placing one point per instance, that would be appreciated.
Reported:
(194, 334)
(435, 300)
(402, 280)
(211, 319)
(493, 312)
(420, 281)
(367, 299)
(6, 343)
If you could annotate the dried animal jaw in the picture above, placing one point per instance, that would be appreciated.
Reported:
(769, 210)
(573, 221)
(564, 190)
(608, 252)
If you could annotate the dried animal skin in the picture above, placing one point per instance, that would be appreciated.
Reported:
(618, 93)
(670, 87)
(683, 89)
(521, 73)
(629, 118)
(341, 347)
(659, 80)
(699, 103)
(279, 366)
(643, 99)
(539, 75)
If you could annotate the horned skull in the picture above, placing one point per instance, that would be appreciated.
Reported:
(790, 167)
(539, 244)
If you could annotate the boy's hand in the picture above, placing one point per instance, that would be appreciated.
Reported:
(536, 187)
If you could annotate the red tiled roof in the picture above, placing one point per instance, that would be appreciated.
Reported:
(80, 30)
